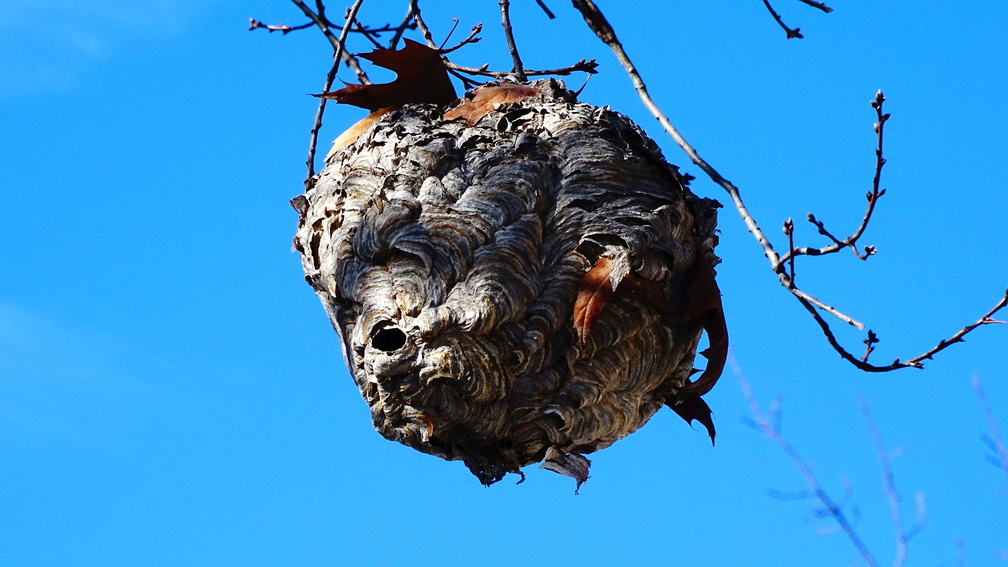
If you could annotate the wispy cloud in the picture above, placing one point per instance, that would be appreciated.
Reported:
(48, 44)
(48, 366)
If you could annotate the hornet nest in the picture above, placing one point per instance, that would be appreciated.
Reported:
(514, 283)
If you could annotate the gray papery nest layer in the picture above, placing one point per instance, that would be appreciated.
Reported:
(449, 258)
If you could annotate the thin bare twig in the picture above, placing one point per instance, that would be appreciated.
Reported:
(902, 536)
(789, 232)
(830, 507)
(584, 66)
(471, 38)
(407, 23)
(589, 66)
(255, 24)
(330, 77)
(996, 442)
(519, 67)
(600, 26)
(818, 5)
(337, 42)
(791, 33)
(421, 24)
(987, 319)
(545, 9)
(872, 196)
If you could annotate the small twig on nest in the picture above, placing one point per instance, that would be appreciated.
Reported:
(791, 33)
(830, 508)
(600, 26)
(589, 66)
(519, 67)
(902, 536)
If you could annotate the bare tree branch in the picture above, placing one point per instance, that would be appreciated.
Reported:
(330, 77)
(584, 66)
(872, 197)
(996, 441)
(407, 23)
(902, 536)
(791, 33)
(600, 26)
(519, 67)
(337, 42)
(255, 24)
(545, 9)
(830, 507)
(818, 5)
(471, 38)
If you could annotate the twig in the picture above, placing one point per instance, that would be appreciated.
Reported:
(255, 24)
(791, 33)
(902, 536)
(789, 232)
(830, 508)
(819, 5)
(869, 343)
(367, 35)
(519, 68)
(996, 441)
(872, 197)
(545, 9)
(330, 77)
(601, 27)
(407, 23)
(414, 8)
(589, 66)
(337, 43)
(987, 319)
(470, 39)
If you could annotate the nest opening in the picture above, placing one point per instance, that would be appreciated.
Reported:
(389, 339)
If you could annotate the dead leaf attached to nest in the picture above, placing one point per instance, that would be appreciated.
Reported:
(485, 100)
(420, 77)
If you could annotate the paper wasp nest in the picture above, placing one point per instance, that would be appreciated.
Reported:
(528, 288)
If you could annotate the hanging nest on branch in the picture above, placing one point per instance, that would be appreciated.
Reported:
(520, 278)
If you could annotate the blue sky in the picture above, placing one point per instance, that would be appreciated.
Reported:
(171, 392)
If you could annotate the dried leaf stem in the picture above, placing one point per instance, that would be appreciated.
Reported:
(779, 265)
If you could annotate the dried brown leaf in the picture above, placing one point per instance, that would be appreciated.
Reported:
(484, 100)
(421, 77)
(704, 305)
